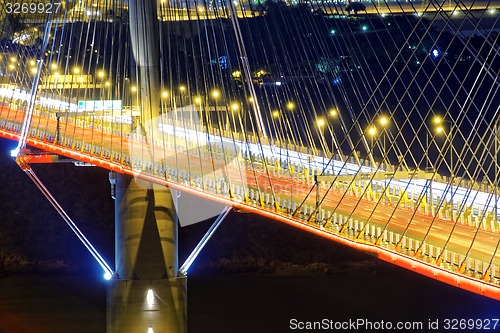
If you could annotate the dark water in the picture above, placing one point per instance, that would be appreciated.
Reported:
(248, 303)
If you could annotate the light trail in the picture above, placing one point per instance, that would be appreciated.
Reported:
(483, 200)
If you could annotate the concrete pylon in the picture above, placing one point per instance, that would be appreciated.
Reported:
(146, 259)
(147, 294)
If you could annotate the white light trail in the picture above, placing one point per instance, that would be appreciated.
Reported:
(480, 199)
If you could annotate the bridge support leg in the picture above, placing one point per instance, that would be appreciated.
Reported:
(147, 291)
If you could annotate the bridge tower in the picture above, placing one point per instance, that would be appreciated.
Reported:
(147, 294)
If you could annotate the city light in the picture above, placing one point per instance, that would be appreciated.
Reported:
(333, 113)
(150, 297)
(215, 93)
(320, 122)
(275, 114)
(290, 105)
(164, 94)
(236, 74)
(372, 130)
(107, 275)
(235, 106)
(14, 152)
(383, 120)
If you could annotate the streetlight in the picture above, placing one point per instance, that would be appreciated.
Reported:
(280, 134)
(216, 95)
(164, 100)
(333, 113)
(235, 107)
(197, 101)
(276, 114)
(372, 131)
(439, 121)
(182, 89)
(321, 122)
(383, 121)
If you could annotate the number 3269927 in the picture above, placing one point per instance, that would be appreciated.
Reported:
(32, 7)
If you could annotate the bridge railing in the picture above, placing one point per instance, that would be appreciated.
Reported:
(305, 167)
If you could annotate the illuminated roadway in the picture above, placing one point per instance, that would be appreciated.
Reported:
(379, 216)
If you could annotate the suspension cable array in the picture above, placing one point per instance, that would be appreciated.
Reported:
(375, 123)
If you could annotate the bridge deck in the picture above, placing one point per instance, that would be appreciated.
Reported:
(396, 228)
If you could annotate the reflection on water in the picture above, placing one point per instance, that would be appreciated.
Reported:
(244, 303)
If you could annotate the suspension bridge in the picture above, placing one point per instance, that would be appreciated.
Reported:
(378, 130)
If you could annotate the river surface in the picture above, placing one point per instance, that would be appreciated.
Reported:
(248, 303)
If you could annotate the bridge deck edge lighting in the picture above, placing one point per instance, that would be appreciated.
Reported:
(399, 259)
